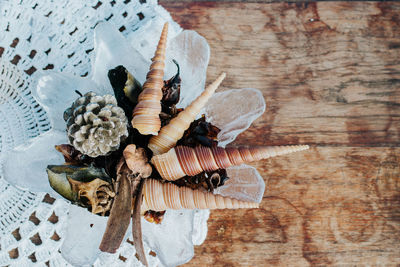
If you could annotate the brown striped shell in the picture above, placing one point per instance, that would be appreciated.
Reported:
(146, 113)
(172, 132)
(159, 196)
(182, 160)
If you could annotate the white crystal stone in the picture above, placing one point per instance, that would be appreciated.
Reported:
(192, 53)
(145, 38)
(111, 49)
(233, 111)
(172, 239)
(244, 183)
(56, 92)
(200, 226)
(83, 236)
(25, 165)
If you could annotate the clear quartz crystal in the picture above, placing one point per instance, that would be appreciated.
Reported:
(25, 166)
(244, 183)
(111, 50)
(56, 92)
(84, 234)
(192, 53)
(173, 239)
(233, 111)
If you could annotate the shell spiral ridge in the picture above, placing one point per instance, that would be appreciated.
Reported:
(159, 196)
(146, 113)
(172, 132)
(182, 160)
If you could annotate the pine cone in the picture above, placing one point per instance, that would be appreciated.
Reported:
(95, 124)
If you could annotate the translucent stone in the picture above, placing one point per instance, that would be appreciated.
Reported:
(56, 92)
(244, 183)
(188, 48)
(145, 38)
(25, 165)
(172, 239)
(233, 111)
(200, 226)
(227, 110)
(192, 53)
(83, 236)
(111, 49)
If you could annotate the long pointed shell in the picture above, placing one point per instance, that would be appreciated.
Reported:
(171, 133)
(158, 196)
(146, 113)
(181, 160)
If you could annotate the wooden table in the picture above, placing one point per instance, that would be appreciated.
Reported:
(330, 76)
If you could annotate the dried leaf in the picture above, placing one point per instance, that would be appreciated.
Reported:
(62, 179)
(137, 226)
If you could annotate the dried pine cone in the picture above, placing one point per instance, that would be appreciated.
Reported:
(95, 124)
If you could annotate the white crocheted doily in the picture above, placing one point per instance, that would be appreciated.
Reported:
(43, 35)
(38, 36)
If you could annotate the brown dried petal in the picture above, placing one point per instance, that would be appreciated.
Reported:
(206, 180)
(71, 155)
(154, 216)
(200, 132)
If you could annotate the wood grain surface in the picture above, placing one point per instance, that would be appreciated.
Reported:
(330, 76)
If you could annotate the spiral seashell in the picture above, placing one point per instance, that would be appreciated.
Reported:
(182, 160)
(171, 133)
(161, 196)
(146, 113)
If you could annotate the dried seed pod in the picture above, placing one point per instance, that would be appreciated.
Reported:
(161, 196)
(171, 91)
(89, 186)
(146, 113)
(98, 192)
(126, 88)
(183, 160)
(172, 132)
(96, 126)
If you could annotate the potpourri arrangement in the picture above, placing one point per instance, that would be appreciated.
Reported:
(136, 154)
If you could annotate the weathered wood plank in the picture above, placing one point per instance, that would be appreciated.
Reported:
(330, 74)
